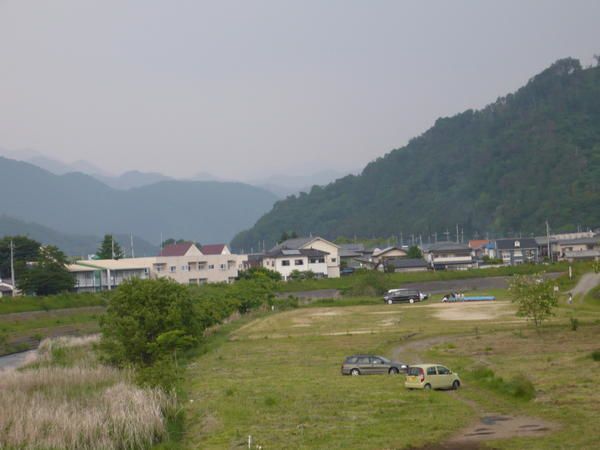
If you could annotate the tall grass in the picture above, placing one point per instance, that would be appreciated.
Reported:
(82, 406)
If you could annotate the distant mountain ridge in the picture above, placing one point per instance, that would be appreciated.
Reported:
(530, 156)
(75, 203)
(72, 244)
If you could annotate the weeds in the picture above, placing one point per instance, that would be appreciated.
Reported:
(518, 387)
(54, 403)
(574, 323)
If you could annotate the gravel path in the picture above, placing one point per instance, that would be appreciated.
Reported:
(586, 283)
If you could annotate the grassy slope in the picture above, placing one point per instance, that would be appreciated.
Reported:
(277, 378)
(23, 304)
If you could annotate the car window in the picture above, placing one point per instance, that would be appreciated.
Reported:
(443, 370)
(431, 371)
(351, 359)
(415, 371)
(364, 360)
(376, 361)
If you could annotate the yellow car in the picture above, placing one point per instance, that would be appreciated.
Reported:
(431, 376)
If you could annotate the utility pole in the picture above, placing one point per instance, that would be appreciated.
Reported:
(112, 240)
(401, 240)
(462, 235)
(132, 250)
(447, 233)
(548, 239)
(12, 264)
(457, 233)
(435, 236)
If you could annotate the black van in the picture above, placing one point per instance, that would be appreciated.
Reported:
(403, 296)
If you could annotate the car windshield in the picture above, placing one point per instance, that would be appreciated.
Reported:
(385, 360)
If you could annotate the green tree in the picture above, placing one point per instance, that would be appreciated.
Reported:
(109, 248)
(596, 266)
(148, 320)
(24, 250)
(257, 273)
(414, 252)
(48, 274)
(535, 298)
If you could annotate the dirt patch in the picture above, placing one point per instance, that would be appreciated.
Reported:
(499, 426)
(327, 314)
(470, 311)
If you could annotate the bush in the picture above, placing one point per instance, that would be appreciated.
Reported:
(518, 387)
(574, 323)
(596, 355)
(370, 283)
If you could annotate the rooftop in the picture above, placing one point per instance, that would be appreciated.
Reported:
(176, 249)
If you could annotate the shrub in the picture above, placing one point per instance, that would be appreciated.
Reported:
(574, 323)
(519, 386)
(596, 355)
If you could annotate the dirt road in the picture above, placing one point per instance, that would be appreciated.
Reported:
(586, 283)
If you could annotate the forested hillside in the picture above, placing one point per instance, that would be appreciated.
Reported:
(530, 156)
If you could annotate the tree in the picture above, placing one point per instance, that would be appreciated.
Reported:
(172, 241)
(414, 252)
(535, 298)
(257, 273)
(147, 320)
(596, 266)
(109, 248)
(48, 274)
(24, 250)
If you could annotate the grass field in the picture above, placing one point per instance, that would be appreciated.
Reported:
(62, 301)
(277, 377)
(22, 331)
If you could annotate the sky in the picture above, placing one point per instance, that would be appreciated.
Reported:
(246, 89)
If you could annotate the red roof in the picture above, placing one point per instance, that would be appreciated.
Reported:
(176, 249)
(212, 249)
(478, 243)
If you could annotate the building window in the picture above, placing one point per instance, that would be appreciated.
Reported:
(203, 281)
(333, 259)
(193, 281)
(285, 262)
(173, 269)
(185, 268)
(299, 262)
(223, 266)
(211, 266)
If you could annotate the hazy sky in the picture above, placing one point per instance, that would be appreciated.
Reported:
(247, 88)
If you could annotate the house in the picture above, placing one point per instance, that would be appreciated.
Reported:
(517, 250)
(307, 253)
(381, 256)
(446, 255)
(355, 256)
(478, 247)
(407, 265)
(286, 261)
(183, 263)
(576, 245)
(108, 274)
(187, 264)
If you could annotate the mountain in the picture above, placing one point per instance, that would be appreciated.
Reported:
(52, 165)
(75, 203)
(132, 179)
(530, 156)
(71, 244)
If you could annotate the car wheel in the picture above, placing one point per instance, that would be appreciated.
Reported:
(427, 387)
(456, 385)
(411, 301)
(355, 372)
(389, 302)
(394, 371)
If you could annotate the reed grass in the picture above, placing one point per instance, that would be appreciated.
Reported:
(82, 406)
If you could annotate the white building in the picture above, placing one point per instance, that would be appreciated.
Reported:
(304, 254)
(184, 263)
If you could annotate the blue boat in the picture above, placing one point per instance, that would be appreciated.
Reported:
(470, 298)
